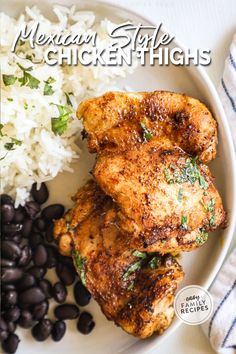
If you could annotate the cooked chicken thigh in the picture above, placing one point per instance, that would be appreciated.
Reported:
(121, 120)
(153, 195)
(166, 200)
(134, 289)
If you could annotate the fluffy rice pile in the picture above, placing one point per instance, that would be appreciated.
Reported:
(30, 150)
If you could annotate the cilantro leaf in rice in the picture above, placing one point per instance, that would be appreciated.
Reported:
(39, 140)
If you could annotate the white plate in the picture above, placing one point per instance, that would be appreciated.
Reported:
(200, 266)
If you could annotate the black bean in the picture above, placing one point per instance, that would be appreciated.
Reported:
(11, 275)
(35, 239)
(11, 327)
(14, 238)
(12, 314)
(37, 272)
(6, 287)
(40, 255)
(40, 195)
(26, 319)
(81, 294)
(46, 286)
(3, 324)
(67, 260)
(58, 330)
(52, 257)
(32, 209)
(27, 281)
(40, 310)
(9, 298)
(85, 323)
(59, 292)
(19, 215)
(11, 229)
(49, 233)
(27, 228)
(6, 199)
(65, 273)
(66, 312)
(40, 224)
(26, 256)
(7, 263)
(31, 296)
(42, 330)
(11, 343)
(7, 213)
(3, 335)
(53, 211)
(10, 250)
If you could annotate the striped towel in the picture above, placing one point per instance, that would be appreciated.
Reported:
(227, 89)
(221, 327)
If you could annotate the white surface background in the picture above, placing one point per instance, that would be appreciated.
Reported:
(196, 23)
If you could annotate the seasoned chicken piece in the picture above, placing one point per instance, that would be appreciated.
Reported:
(134, 289)
(166, 200)
(121, 120)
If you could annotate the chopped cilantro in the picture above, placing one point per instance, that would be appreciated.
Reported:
(211, 205)
(180, 195)
(9, 79)
(30, 57)
(48, 90)
(155, 262)
(59, 124)
(1, 128)
(11, 145)
(184, 225)
(130, 286)
(147, 135)
(169, 180)
(27, 79)
(68, 101)
(2, 158)
(213, 219)
(26, 105)
(211, 209)
(30, 68)
(172, 166)
(139, 254)
(203, 183)
(189, 173)
(10, 99)
(80, 265)
(132, 269)
(202, 237)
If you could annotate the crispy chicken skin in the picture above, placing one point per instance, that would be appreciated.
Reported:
(113, 121)
(134, 289)
(166, 200)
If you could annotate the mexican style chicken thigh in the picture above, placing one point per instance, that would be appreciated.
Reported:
(152, 196)
(134, 289)
(121, 120)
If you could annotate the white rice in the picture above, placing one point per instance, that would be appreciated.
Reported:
(26, 113)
